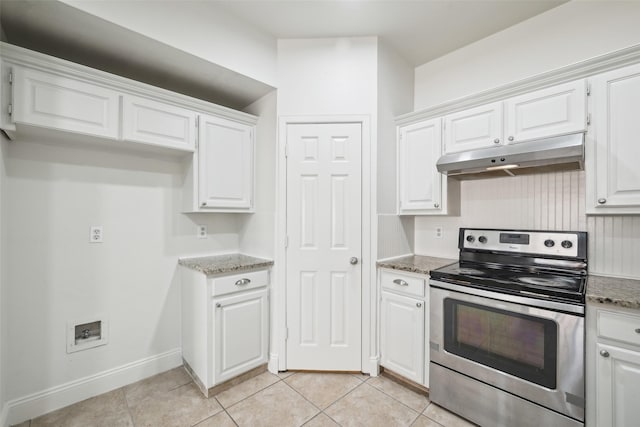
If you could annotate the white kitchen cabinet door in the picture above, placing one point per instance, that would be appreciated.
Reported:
(241, 333)
(156, 123)
(553, 111)
(420, 185)
(617, 387)
(478, 127)
(613, 174)
(225, 164)
(63, 103)
(402, 339)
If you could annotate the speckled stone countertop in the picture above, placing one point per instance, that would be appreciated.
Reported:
(415, 263)
(220, 264)
(614, 291)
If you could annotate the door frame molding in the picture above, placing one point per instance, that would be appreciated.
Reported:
(278, 303)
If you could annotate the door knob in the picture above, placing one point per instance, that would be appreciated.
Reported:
(353, 260)
(604, 353)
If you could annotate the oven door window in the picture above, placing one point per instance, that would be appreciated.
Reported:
(518, 344)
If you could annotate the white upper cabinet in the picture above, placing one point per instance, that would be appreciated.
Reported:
(52, 101)
(157, 123)
(612, 171)
(420, 183)
(225, 165)
(553, 111)
(477, 127)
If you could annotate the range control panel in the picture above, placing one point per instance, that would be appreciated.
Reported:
(550, 243)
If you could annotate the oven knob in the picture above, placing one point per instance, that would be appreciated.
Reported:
(470, 238)
(566, 244)
(549, 243)
(482, 239)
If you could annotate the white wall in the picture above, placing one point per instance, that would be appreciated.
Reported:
(567, 34)
(257, 230)
(327, 76)
(54, 193)
(196, 27)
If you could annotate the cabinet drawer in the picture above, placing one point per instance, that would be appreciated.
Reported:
(401, 283)
(619, 327)
(239, 282)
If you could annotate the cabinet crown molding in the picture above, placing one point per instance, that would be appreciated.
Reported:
(598, 64)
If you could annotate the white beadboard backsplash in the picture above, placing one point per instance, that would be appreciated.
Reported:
(551, 201)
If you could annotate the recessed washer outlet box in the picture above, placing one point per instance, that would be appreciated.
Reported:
(87, 333)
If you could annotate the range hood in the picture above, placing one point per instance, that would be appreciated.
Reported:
(550, 154)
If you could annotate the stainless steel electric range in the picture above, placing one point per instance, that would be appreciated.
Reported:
(507, 328)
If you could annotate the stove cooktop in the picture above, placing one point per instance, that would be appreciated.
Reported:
(513, 280)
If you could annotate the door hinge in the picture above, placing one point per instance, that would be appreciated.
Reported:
(10, 109)
(588, 119)
(286, 241)
(10, 77)
(286, 150)
(286, 334)
(588, 88)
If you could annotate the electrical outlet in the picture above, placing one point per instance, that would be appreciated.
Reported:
(95, 234)
(202, 232)
(438, 232)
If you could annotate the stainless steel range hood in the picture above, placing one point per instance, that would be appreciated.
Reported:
(550, 154)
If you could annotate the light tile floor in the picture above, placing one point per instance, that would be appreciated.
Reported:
(287, 399)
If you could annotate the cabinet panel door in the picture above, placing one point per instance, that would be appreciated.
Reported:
(548, 112)
(420, 183)
(402, 336)
(225, 162)
(613, 175)
(55, 102)
(478, 127)
(156, 123)
(241, 334)
(617, 387)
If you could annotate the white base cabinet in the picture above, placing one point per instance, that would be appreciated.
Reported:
(613, 367)
(225, 324)
(404, 325)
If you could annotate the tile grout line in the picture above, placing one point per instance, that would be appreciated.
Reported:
(226, 412)
(247, 397)
(402, 403)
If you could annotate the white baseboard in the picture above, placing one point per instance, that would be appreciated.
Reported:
(374, 366)
(42, 402)
(4, 415)
(274, 363)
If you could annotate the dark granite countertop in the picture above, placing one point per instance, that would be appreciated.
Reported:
(613, 291)
(415, 263)
(221, 264)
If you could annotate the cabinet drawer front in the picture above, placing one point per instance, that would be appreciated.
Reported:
(56, 102)
(619, 327)
(240, 282)
(402, 283)
(156, 123)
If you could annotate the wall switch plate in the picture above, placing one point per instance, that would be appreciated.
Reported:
(95, 234)
(202, 232)
(438, 232)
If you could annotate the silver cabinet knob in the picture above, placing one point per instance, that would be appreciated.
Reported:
(511, 138)
(496, 141)
(353, 260)
(604, 353)
(418, 304)
(203, 204)
(637, 330)
(400, 282)
(218, 305)
(436, 205)
(602, 201)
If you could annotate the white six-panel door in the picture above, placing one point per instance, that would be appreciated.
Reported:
(324, 238)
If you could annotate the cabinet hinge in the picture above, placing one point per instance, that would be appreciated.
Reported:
(286, 241)
(286, 333)
(10, 77)
(286, 150)
(10, 109)
(588, 88)
(588, 119)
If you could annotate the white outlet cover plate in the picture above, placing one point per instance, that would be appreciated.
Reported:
(96, 234)
(202, 232)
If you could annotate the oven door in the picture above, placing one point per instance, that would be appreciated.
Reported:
(531, 352)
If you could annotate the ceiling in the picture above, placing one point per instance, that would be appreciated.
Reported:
(419, 30)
